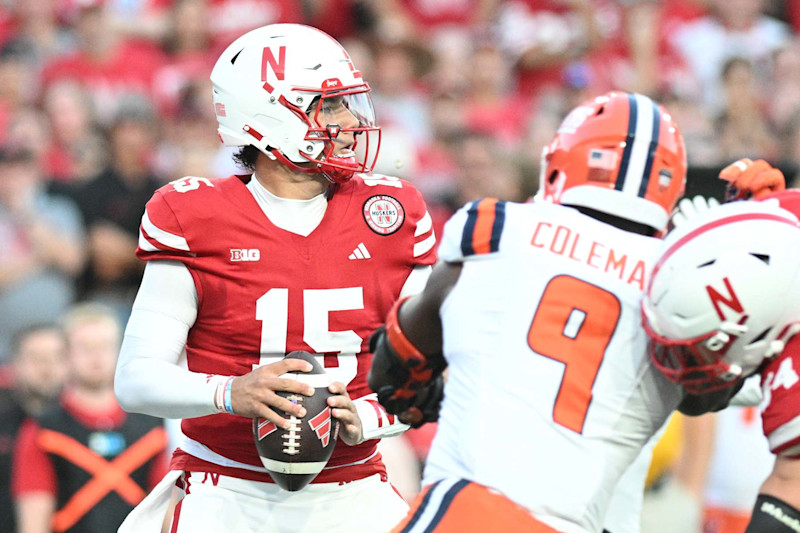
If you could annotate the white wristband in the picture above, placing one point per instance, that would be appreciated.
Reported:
(219, 390)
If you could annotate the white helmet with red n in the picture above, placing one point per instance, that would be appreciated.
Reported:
(271, 87)
(619, 154)
(724, 295)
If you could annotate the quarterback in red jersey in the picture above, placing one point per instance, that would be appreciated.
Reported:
(309, 252)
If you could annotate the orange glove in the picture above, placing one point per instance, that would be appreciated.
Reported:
(751, 179)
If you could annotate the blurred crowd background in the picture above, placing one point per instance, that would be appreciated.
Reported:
(104, 101)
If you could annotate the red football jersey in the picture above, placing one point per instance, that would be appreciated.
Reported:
(780, 382)
(264, 291)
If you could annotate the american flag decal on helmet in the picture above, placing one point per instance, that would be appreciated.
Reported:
(602, 164)
(605, 159)
(321, 424)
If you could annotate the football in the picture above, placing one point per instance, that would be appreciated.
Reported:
(293, 457)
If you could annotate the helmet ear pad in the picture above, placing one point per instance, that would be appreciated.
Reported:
(620, 154)
(268, 87)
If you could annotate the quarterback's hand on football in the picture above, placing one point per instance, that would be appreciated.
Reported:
(688, 209)
(350, 429)
(253, 394)
(751, 179)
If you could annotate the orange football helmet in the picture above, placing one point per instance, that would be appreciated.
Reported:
(619, 154)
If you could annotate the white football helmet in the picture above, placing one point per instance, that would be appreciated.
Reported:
(293, 92)
(724, 295)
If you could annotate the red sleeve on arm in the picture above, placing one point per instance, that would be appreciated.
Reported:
(780, 383)
(160, 234)
(32, 470)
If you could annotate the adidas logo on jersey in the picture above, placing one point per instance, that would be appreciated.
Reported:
(360, 252)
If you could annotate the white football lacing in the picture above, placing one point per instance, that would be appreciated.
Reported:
(291, 444)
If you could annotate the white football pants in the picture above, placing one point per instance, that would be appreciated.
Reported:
(225, 504)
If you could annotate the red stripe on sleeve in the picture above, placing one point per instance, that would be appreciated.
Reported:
(378, 411)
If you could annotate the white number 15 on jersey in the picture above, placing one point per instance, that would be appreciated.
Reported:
(272, 310)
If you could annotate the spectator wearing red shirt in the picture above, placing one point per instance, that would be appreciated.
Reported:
(430, 20)
(491, 106)
(543, 36)
(341, 19)
(76, 150)
(189, 56)
(228, 19)
(107, 64)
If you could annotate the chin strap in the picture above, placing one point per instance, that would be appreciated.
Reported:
(341, 172)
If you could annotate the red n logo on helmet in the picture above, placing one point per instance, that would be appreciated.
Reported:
(731, 301)
(278, 65)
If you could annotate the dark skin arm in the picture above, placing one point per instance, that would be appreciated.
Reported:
(419, 320)
(419, 316)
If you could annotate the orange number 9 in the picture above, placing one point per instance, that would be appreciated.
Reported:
(573, 324)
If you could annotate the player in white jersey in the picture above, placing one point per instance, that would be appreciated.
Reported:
(535, 311)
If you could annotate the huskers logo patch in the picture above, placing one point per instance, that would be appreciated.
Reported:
(384, 214)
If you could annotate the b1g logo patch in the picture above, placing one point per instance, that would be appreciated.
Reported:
(384, 214)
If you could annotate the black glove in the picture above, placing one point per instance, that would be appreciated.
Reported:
(421, 408)
(405, 387)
